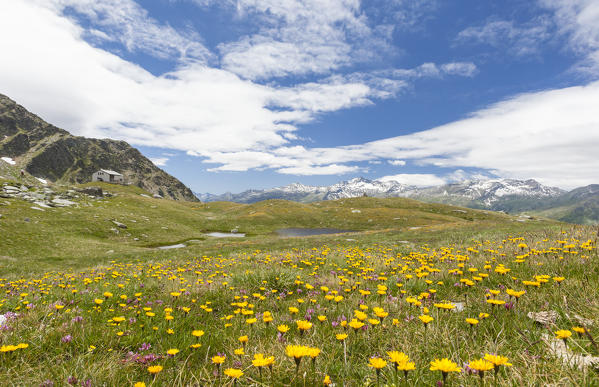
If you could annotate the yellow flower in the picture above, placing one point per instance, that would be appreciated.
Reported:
(327, 380)
(303, 325)
(296, 352)
(283, 328)
(172, 351)
(397, 357)
(243, 339)
(239, 351)
(261, 361)
(481, 365)
(154, 369)
(444, 365)
(356, 324)
(139, 384)
(472, 321)
(341, 336)
(425, 319)
(376, 363)
(406, 366)
(98, 301)
(563, 334)
(579, 330)
(497, 360)
(218, 359)
(234, 373)
(197, 333)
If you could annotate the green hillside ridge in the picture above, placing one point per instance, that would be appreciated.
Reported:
(86, 233)
(51, 153)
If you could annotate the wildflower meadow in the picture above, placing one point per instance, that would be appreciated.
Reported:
(518, 310)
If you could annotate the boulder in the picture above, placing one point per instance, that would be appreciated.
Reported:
(119, 224)
(92, 191)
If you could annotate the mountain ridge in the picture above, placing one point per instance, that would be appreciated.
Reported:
(51, 153)
(580, 205)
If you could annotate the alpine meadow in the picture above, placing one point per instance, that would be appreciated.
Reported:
(275, 193)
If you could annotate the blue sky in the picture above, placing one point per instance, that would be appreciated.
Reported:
(229, 95)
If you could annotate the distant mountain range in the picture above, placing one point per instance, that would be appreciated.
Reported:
(580, 205)
(53, 154)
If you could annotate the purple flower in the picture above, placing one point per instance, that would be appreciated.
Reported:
(87, 383)
(77, 319)
(145, 347)
(280, 337)
(47, 383)
(67, 339)
(72, 380)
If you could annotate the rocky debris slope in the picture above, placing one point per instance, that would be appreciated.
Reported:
(45, 197)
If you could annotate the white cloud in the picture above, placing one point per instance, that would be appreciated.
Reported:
(129, 24)
(198, 109)
(416, 179)
(159, 161)
(299, 37)
(397, 162)
(524, 40)
(579, 21)
(332, 169)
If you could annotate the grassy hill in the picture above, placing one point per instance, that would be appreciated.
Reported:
(86, 233)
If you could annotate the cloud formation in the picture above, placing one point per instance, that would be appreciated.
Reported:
(235, 119)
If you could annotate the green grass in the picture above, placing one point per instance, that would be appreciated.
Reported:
(60, 257)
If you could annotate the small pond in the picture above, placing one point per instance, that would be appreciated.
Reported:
(300, 232)
(177, 246)
(226, 234)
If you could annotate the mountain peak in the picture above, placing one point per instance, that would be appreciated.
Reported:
(53, 154)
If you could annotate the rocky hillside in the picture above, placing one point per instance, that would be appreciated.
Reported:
(53, 154)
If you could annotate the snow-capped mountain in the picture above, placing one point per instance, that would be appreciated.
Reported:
(580, 205)
(489, 193)
(473, 193)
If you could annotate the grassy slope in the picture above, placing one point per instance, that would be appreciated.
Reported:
(80, 236)
(402, 235)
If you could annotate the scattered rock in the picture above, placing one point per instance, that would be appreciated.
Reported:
(92, 191)
(559, 349)
(37, 208)
(460, 211)
(27, 220)
(59, 202)
(545, 317)
(119, 224)
(110, 252)
(356, 211)
(144, 195)
(156, 196)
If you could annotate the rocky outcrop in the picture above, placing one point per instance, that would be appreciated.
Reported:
(54, 154)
